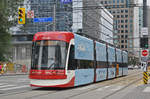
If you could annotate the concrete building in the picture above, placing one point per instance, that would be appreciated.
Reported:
(126, 19)
(92, 21)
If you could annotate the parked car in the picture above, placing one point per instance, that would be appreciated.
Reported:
(130, 67)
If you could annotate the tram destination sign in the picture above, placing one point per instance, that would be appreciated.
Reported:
(49, 19)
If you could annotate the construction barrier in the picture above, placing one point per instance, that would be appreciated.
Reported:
(12, 68)
(145, 77)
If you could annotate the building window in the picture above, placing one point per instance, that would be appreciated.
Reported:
(126, 31)
(126, 11)
(122, 31)
(122, 1)
(126, 21)
(118, 16)
(126, 36)
(122, 46)
(117, 1)
(131, 25)
(122, 16)
(114, 1)
(122, 41)
(122, 21)
(126, 16)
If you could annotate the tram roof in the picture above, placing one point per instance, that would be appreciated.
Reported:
(62, 36)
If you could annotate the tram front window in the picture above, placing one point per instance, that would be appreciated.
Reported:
(49, 55)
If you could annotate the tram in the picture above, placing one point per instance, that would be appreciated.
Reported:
(66, 59)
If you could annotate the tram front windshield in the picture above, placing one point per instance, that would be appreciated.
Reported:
(49, 55)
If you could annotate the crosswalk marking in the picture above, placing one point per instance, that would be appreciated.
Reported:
(2, 84)
(147, 89)
(17, 87)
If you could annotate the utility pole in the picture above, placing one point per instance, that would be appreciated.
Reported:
(145, 73)
(144, 13)
(54, 16)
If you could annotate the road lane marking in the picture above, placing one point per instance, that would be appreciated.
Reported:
(6, 86)
(86, 87)
(17, 87)
(117, 88)
(102, 88)
(147, 89)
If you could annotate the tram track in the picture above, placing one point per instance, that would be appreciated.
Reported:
(132, 77)
(115, 81)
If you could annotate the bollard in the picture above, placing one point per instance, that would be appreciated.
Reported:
(145, 77)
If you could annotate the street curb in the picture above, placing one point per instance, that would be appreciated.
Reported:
(12, 74)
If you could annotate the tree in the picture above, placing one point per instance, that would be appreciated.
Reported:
(8, 8)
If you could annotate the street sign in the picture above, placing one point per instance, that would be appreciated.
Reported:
(50, 19)
(30, 14)
(145, 53)
(144, 31)
(65, 1)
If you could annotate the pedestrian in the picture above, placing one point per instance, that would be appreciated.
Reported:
(0, 68)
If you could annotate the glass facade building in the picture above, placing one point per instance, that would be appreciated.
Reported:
(45, 9)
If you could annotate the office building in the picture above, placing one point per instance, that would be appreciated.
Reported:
(126, 19)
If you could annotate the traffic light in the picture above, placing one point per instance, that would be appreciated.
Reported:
(144, 42)
(21, 16)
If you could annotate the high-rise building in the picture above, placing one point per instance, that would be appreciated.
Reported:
(148, 23)
(92, 21)
(126, 20)
(45, 9)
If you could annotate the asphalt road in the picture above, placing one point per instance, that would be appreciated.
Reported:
(128, 87)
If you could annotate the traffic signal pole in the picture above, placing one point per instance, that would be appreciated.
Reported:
(145, 73)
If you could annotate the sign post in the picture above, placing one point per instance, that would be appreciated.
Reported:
(145, 54)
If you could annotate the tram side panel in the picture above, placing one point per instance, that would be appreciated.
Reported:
(119, 62)
(125, 61)
(101, 62)
(84, 54)
(111, 62)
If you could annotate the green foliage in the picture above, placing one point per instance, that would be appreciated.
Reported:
(8, 8)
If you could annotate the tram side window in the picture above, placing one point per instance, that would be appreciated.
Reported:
(85, 64)
(72, 65)
(101, 64)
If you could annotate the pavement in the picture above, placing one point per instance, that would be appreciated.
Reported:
(13, 74)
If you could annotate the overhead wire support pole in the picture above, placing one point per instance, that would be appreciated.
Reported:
(54, 16)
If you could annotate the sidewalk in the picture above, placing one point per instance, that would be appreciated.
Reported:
(13, 74)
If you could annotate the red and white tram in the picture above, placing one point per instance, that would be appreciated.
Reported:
(65, 59)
